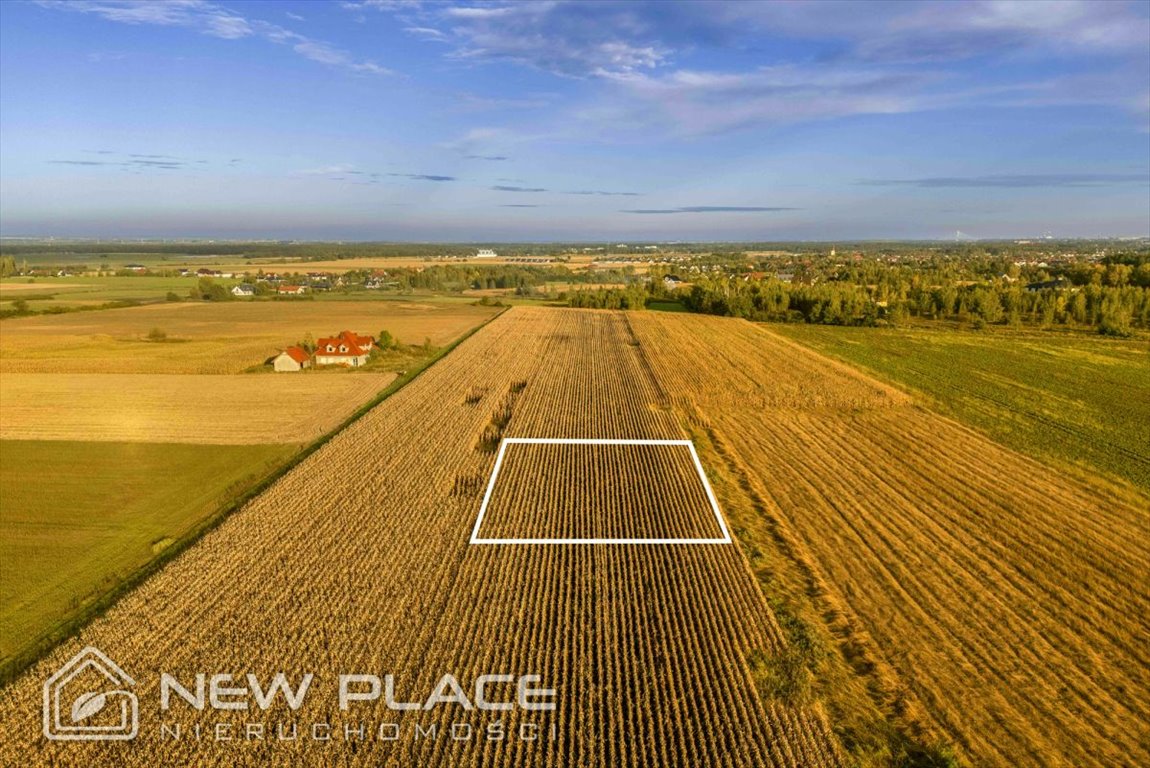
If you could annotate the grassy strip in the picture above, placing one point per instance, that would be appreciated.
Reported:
(42, 646)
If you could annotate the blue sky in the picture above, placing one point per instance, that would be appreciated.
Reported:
(409, 120)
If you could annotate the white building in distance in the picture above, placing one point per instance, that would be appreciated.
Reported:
(485, 253)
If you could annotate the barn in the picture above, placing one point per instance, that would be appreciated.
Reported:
(292, 359)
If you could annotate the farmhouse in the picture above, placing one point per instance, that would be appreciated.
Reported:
(345, 349)
(671, 282)
(292, 359)
(291, 290)
(244, 290)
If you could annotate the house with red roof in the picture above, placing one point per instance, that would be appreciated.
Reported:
(292, 359)
(347, 348)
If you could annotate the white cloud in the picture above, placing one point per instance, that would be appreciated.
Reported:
(206, 17)
(695, 103)
(211, 19)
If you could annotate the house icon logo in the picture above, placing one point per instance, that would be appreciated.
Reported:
(88, 699)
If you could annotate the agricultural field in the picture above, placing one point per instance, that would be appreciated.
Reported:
(640, 492)
(994, 604)
(214, 338)
(900, 590)
(87, 291)
(180, 408)
(102, 470)
(649, 649)
(81, 516)
(1076, 399)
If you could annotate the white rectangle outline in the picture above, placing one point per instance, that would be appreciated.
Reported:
(726, 539)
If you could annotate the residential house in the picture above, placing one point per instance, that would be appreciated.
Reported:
(347, 348)
(291, 290)
(243, 289)
(292, 359)
(485, 253)
(671, 282)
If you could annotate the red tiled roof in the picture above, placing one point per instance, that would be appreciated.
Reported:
(299, 354)
(356, 345)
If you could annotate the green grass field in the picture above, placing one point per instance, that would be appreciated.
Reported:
(79, 517)
(42, 293)
(1078, 399)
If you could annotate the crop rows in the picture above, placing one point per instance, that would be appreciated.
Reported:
(1008, 601)
(598, 491)
(647, 647)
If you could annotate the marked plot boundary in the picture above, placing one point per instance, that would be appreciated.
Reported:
(477, 539)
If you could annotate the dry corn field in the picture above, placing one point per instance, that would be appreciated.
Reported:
(214, 338)
(1001, 606)
(176, 408)
(639, 492)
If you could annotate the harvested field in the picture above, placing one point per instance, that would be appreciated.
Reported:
(1003, 604)
(175, 408)
(650, 649)
(207, 337)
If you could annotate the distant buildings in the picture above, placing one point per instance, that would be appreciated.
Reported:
(243, 290)
(485, 253)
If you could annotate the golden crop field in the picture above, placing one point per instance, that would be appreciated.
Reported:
(1005, 604)
(180, 408)
(206, 337)
(986, 600)
(649, 648)
(30, 287)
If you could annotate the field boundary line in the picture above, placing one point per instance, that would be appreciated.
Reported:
(688, 444)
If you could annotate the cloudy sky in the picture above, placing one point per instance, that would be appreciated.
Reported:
(410, 120)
